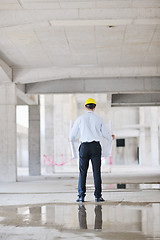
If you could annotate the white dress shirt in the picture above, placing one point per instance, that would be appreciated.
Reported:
(90, 126)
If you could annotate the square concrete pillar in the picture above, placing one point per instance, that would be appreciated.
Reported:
(154, 137)
(8, 144)
(34, 141)
(142, 138)
(49, 130)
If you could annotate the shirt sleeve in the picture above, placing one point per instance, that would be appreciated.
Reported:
(105, 132)
(74, 131)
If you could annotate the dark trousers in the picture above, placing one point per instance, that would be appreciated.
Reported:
(89, 151)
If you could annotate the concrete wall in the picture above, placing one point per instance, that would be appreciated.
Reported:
(56, 126)
(8, 143)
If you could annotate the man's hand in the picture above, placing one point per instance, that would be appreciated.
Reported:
(113, 137)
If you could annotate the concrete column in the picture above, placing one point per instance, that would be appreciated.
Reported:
(58, 130)
(142, 137)
(50, 214)
(34, 141)
(8, 144)
(154, 137)
(49, 130)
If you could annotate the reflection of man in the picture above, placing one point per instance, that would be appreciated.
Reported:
(98, 217)
(90, 127)
(82, 217)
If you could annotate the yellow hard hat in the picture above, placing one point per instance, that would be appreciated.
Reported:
(90, 100)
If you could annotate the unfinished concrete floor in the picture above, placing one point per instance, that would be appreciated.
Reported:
(38, 208)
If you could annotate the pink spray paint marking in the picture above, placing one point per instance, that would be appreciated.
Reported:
(49, 161)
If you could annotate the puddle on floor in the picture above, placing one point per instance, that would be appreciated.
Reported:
(101, 221)
(124, 186)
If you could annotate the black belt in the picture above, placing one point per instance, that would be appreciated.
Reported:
(90, 142)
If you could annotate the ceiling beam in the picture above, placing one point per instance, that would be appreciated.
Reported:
(5, 72)
(106, 22)
(24, 99)
(30, 75)
(96, 85)
(147, 99)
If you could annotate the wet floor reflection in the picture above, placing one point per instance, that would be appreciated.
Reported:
(83, 217)
(109, 219)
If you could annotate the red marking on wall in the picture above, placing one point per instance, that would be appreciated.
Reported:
(48, 161)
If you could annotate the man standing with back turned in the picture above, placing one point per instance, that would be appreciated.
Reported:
(90, 127)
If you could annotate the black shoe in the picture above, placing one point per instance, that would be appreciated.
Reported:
(99, 199)
(80, 199)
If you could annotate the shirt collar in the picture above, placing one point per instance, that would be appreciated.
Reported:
(89, 111)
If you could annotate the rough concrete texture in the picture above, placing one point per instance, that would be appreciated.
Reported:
(34, 140)
(62, 188)
(38, 208)
(8, 132)
(61, 39)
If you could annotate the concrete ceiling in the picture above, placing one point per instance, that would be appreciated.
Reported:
(54, 39)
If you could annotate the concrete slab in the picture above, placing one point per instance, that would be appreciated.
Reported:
(44, 207)
(62, 189)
